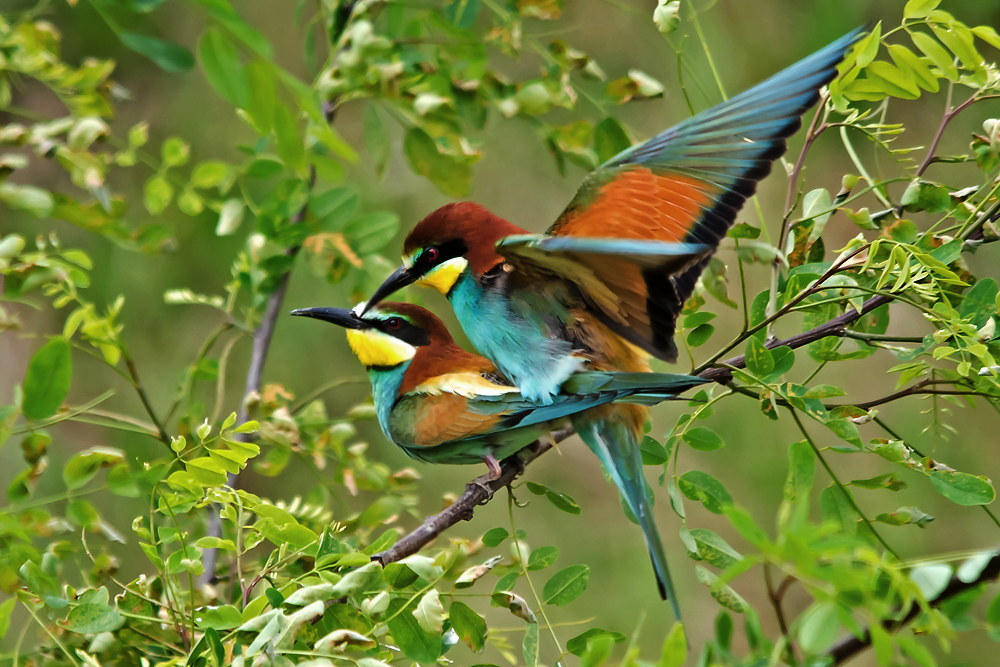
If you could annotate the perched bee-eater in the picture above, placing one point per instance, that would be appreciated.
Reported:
(441, 404)
(602, 289)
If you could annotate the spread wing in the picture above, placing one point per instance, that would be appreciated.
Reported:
(678, 193)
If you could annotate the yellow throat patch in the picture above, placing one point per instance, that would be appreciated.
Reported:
(374, 348)
(443, 276)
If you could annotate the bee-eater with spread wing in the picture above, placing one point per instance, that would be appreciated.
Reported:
(441, 404)
(605, 284)
(602, 289)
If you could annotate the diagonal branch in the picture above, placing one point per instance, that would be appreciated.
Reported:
(476, 494)
(851, 646)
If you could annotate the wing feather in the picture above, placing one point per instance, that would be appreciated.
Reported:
(684, 186)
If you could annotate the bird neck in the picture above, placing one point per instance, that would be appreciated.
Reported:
(385, 390)
(481, 240)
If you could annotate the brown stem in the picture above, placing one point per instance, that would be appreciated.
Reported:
(133, 373)
(835, 327)
(945, 119)
(775, 598)
(851, 646)
(258, 357)
(475, 494)
(815, 129)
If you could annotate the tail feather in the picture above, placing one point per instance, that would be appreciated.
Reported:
(617, 447)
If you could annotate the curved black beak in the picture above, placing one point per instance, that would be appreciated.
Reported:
(339, 316)
(399, 279)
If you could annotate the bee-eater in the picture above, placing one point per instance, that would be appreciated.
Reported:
(441, 404)
(603, 287)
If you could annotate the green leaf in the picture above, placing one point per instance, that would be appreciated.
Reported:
(563, 502)
(415, 643)
(988, 34)
(529, 646)
(700, 335)
(959, 41)
(5, 610)
(819, 628)
(702, 487)
(610, 139)
(713, 549)
(168, 56)
(759, 359)
(743, 230)
(578, 645)
(157, 194)
(867, 46)
(703, 439)
(450, 176)
(82, 467)
(918, 9)
(369, 233)
(494, 536)
(962, 488)
(653, 453)
(87, 619)
(290, 146)
(430, 613)
(376, 137)
(223, 68)
(230, 217)
(992, 612)
(462, 13)
(980, 302)
(674, 653)
(905, 516)
(913, 648)
(801, 468)
(209, 174)
(542, 557)
(261, 96)
(893, 80)
(468, 625)
(888, 481)
(225, 617)
(930, 48)
(909, 61)
(47, 381)
(566, 585)
(722, 593)
(28, 198)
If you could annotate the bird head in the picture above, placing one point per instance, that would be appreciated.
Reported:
(388, 334)
(449, 241)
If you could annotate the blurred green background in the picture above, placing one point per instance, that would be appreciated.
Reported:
(517, 179)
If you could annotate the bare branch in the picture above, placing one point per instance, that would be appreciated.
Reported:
(475, 494)
(835, 327)
(851, 646)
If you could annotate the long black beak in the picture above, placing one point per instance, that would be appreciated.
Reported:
(400, 278)
(339, 316)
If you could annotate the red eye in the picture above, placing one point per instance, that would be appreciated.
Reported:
(393, 323)
(431, 254)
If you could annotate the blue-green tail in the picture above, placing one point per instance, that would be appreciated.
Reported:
(617, 447)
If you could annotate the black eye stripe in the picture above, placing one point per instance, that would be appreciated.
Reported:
(445, 251)
(405, 331)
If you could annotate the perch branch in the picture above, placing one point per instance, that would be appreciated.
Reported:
(851, 646)
(475, 494)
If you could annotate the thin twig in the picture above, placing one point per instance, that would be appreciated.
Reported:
(161, 434)
(840, 485)
(775, 597)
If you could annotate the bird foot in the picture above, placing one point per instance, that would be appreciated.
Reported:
(492, 475)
